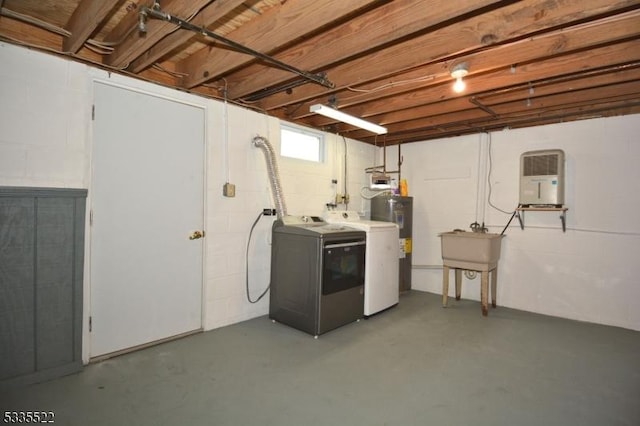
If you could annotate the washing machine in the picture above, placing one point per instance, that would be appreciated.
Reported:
(317, 274)
(381, 289)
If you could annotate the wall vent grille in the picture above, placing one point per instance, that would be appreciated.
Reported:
(541, 165)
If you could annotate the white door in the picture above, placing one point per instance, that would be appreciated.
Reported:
(147, 199)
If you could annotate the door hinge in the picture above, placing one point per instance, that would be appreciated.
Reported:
(90, 324)
(93, 112)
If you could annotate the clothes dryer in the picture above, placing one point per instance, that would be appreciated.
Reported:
(317, 274)
(381, 286)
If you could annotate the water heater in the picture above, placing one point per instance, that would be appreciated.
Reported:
(399, 210)
(542, 178)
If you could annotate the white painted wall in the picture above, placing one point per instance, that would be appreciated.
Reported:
(46, 139)
(589, 273)
(44, 120)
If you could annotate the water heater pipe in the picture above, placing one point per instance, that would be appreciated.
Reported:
(274, 175)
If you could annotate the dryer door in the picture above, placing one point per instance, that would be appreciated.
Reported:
(343, 266)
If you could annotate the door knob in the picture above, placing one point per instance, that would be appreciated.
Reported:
(195, 235)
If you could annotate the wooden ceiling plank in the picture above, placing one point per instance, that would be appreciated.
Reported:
(207, 16)
(607, 32)
(277, 27)
(456, 105)
(548, 86)
(570, 98)
(440, 45)
(383, 26)
(31, 36)
(565, 86)
(87, 16)
(127, 23)
(136, 44)
(525, 51)
(442, 101)
(516, 111)
(539, 114)
(425, 135)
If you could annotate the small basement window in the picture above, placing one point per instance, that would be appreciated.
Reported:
(301, 143)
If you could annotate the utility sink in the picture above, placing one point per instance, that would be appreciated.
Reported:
(475, 251)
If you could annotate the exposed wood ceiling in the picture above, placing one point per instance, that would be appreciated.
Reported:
(530, 62)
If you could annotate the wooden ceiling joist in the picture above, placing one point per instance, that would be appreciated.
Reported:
(265, 34)
(207, 17)
(85, 19)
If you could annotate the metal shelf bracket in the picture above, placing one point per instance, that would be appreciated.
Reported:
(563, 214)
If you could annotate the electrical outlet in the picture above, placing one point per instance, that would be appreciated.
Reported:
(229, 190)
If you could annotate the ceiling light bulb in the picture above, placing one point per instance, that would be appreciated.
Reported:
(458, 72)
(459, 85)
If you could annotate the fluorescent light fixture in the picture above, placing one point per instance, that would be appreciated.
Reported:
(346, 118)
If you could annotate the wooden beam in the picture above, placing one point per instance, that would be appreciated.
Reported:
(520, 93)
(382, 26)
(511, 111)
(277, 27)
(540, 106)
(423, 135)
(529, 53)
(127, 23)
(621, 107)
(18, 31)
(441, 102)
(457, 110)
(606, 32)
(32, 36)
(559, 84)
(87, 16)
(442, 45)
(136, 44)
(207, 16)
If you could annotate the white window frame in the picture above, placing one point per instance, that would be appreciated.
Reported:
(318, 157)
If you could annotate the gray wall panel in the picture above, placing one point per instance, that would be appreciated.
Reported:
(41, 270)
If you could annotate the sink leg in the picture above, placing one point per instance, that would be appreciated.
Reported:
(494, 286)
(458, 283)
(484, 289)
(445, 285)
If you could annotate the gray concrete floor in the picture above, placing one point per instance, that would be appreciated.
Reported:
(416, 364)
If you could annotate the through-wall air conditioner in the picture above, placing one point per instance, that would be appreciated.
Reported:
(542, 178)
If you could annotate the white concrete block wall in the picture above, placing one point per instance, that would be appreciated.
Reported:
(229, 218)
(44, 120)
(588, 273)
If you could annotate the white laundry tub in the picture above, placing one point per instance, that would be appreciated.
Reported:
(471, 250)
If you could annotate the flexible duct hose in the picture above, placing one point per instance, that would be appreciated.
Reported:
(274, 176)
